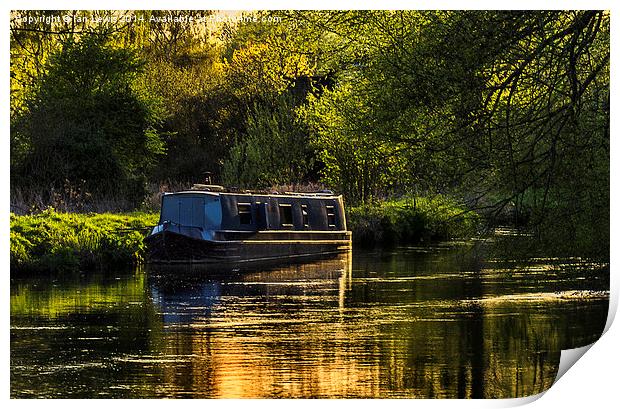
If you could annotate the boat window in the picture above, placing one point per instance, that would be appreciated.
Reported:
(304, 215)
(245, 213)
(286, 215)
(331, 216)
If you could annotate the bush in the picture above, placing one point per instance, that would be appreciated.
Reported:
(411, 220)
(88, 122)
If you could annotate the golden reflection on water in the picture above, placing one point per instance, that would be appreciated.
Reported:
(398, 324)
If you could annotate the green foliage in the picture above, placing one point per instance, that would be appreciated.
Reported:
(217, 94)
(482, 104)
(582, 224)
(275, 150)
(202, 115)
(508, 110)
(51, 241)
(359, 160)
(257, 69)
(87, 120)
(411, 220)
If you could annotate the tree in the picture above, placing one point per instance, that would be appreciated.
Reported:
(275, 149)
(359, 160)
(87, 120)
(509, 109)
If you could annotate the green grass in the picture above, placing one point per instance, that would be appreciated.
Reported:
(411, 220)
(70, 242)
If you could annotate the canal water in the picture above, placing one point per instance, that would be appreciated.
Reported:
(455, 320)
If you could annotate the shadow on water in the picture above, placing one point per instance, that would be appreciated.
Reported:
(450, 321)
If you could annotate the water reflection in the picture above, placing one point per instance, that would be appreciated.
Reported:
(412, 322)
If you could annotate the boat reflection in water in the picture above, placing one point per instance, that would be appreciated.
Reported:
(187, 293)
(267, 333)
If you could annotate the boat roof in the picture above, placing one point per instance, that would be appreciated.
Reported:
(312, 195)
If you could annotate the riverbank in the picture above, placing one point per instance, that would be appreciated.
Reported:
(411, 220)
(71, 242)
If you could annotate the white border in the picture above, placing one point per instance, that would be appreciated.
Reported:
(592, 383)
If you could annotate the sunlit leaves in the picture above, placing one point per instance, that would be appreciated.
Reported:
(359, 160)
(87, 119)
(274, 150)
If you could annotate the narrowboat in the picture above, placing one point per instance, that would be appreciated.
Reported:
(209, 224)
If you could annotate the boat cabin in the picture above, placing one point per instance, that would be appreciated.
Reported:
(248, 212)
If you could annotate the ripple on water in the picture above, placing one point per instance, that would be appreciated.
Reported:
(541, 297)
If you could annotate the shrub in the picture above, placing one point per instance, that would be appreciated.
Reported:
(411, 220)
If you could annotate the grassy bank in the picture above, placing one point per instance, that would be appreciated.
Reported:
(70, 242)
(53, 241)
(410, 220)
